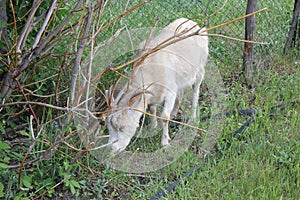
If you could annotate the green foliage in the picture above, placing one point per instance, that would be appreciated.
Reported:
(1, 189)
(69, 182)
(4, 160)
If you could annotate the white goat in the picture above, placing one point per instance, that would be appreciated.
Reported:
(159, 79)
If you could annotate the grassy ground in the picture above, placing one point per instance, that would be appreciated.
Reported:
(262, 163)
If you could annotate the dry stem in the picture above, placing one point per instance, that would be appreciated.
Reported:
(169, 120)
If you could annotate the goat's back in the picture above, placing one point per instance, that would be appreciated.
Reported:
(178, 65)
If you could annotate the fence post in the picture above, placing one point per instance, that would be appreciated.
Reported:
(292, 37)
(249, 68)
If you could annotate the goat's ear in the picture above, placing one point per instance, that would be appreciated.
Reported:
(135, 100)
(140, 97)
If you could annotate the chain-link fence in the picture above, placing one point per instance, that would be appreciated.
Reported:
(271, 26)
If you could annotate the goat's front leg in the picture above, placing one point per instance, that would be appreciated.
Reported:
(168, 107)
(153, 111)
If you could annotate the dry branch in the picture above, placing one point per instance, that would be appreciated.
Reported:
(169, 120)
(28, 26)
(22, 61)
(80, 50)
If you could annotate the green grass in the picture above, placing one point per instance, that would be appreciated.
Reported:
(262, 163)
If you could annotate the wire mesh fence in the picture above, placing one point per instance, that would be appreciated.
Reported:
(271, 26)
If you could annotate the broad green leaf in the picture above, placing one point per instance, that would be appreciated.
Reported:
(26, 180)
(4, 145)
(6, 159)
(3, 166)
(19, 195)
(11, 124)
(75, 183)
(73, 191)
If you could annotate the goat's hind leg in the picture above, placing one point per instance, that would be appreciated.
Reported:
(196, 88)
(177, 104)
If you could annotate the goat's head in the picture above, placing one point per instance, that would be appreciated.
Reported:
(123, 119)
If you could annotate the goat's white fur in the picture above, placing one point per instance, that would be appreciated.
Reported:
(160, 78)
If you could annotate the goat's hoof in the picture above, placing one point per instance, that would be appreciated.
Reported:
(165, 142)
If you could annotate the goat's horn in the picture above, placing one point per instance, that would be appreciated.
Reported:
(128, 96)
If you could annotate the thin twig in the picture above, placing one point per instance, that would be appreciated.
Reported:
(27, 29)
(34, 103)
(45, 192)
(169, 120)
(15, 30)
(87, 150)
(73, 109)
(236, 19)
(111, 39)
(39, 34)
(235, 39)
(120, 16)
(101, 6)
(80, 50)
(89, 68)
(29, 149)
(39, 81)
(25, 97)
(25, 163)
(43, 96)
(58, 29)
